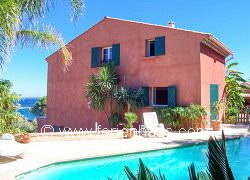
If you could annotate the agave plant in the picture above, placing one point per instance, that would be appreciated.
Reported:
(218, 165)
(143, 173)
(18, 24)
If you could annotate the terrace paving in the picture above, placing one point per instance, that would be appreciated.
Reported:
(44, 151)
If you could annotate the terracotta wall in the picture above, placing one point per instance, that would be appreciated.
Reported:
(67, 105)
(212, 72)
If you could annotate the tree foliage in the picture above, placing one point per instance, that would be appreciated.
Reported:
(17, 24)
(128, 98)
(8, 108)
(39, 108)
(233, 94)
(103, 91)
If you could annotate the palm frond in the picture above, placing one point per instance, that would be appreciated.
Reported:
(192, 172)
(77, 7)
(44, 38)
(245, 87)
(14, 14)
(197, 176)
(10, 14)
(94, 94)
(218, 165)
(229, 66)
(129, 173)
(9, 23)
(35, 8)
(108, 77)
(6, 45)
(38, 8)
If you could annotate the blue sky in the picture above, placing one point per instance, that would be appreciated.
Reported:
(228, 20)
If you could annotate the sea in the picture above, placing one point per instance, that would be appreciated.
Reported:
(24, 107)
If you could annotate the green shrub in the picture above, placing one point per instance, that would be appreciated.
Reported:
(8, 108)
(25, 126)
(182, 117)
(128, 99)
(131, 118)
(39, 108)
(114, 119)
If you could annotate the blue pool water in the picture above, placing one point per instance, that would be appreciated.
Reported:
(172, 162)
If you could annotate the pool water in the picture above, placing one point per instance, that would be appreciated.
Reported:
(172, 162)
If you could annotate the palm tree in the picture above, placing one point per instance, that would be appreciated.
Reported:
(101, 88)
(17, 24)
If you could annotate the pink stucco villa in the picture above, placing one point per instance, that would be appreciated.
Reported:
(174, 66)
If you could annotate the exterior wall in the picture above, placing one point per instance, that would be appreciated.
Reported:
(247, 94)
(212, 72)
(180, 66)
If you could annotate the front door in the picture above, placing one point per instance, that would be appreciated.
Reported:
(214, 97)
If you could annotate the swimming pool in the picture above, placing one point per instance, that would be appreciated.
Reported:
(172, 162)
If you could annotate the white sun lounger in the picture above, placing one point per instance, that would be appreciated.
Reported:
(10, 148)
(152, 125)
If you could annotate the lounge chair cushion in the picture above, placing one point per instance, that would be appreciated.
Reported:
(9, 147)
(150, 120)
(7, 136)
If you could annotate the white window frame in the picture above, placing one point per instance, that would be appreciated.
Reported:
(148, 52)
(153, 98)
(109, 54)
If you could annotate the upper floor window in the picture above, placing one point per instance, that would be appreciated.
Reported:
(106, 55)
(150, 50)
(155, 47)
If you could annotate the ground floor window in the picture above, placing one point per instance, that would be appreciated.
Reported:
(160, 96)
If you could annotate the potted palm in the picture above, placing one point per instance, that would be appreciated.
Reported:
(23, 138)
(130, 118)
(216, 124)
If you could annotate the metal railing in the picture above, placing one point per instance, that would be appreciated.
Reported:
(244, 116)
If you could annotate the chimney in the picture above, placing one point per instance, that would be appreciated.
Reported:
(171, 24)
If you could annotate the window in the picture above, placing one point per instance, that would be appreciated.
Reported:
(150, 48)
(160, 96)
(106, 55)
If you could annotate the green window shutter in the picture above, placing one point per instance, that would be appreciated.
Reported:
(160, 45)
(95, 56)
(214, 97)
(171, 96)
(116, 54)
(145, 98)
